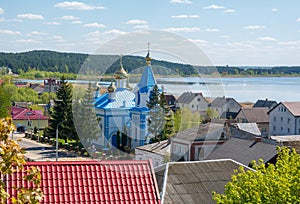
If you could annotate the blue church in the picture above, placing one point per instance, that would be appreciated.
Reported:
(123, 110)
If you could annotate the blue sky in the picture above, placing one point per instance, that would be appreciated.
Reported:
(256, 32)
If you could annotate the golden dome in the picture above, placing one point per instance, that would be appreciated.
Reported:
(111, 88)
(120, 73)
(148, 59)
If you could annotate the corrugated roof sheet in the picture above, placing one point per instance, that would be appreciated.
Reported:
(244, 151)
(93, 182)
(249, 127)
(193, 182)
(161, 148)
(25, 114)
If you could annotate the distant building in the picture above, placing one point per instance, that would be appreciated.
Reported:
(192, 101)
(171, 101)
(37, 87)
(255, 115)
(51, 85)
(123, 110)
(29, 118)
(265, 104)
(226, 107)
(197, 142)
(285, 119)
(158, 152)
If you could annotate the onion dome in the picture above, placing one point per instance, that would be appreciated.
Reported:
(120, 73)
(111, 88)
(148, 59)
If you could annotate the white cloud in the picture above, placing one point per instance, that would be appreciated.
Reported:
(182, 29)
(186, 16)
(57, 38)
(94, 25)
(75, 5)
(2, 20)
(94, 34)
(144, 26)
(214, 6)
(180, 1)
(76, 22)
(229, 11)
(136, 22)
(297, 42)
(198, 41)
(1, 11)
(37, 33)
(114, 32)
(274, 9)
(53, 23)
(69, 18)
(30, 16)
(298, 20)
(225, 36)
(253, 27)
(10, 32)
(14, 20)
(212, 30)
(267, 38)
(27, 41)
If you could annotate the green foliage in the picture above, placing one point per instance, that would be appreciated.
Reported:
(12, 160)
(62, 113)
(35, 74)
(211, 114)
(185, 119)
(85, 119)
(272, 184)
(4, 103)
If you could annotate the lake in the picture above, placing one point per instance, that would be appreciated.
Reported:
(247, 89)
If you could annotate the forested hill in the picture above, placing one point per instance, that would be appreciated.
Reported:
(72, 62)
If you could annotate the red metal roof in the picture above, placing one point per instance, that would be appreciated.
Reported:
(25, 114)
(93, 182)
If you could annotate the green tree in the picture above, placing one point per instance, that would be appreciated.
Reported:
(62, 113)
(211, 114)
(156, 120)
(4, 103)
(11, 160)
(86, 121)
(277, 183)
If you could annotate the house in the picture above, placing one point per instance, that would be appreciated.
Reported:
(194, 182)
(171, 101)
(265, 104)
(245, 150)
(158, 152)
(51, 85)
(125, 110)
(291, 141)
(284, 119)
(226, 107)
(37, 87)
(255, 115)
(29, 118)
(197, 142)
(192, 101)
(91, 182)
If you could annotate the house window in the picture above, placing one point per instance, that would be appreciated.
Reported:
(288, 120)
(274, 128)
(274, 119)
(288, 130)
(199, 99)
(281, 128)
(192, 106)
(281, 119)
(284, 109)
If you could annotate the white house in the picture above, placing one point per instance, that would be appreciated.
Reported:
(192, 101)
(285, 119)
(226, 107)
(158, 152)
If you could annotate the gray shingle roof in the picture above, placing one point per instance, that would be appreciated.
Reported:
(244, 151)
(209, 131)
(265, 103)
(220, 102)
(161, 148)
(194, 182)
(255, 115)
(187, 97)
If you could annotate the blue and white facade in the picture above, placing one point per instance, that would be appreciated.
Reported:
(124, 110)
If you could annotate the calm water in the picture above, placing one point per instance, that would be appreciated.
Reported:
(242, 89)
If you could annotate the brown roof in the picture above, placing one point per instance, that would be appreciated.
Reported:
(161, 148)
(255, 115)
(194, 182)
(293, 107)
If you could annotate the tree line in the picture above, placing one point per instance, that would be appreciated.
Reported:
(51, 61)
